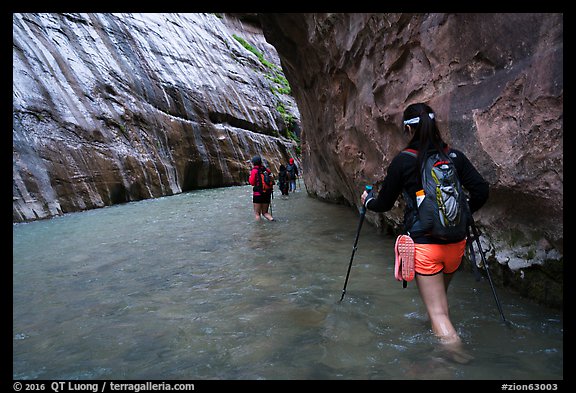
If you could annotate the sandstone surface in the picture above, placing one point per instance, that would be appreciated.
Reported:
(495, 81)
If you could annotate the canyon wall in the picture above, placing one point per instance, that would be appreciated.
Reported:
(495, 82)
(112, 108)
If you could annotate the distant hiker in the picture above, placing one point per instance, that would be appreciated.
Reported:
(435, 259)
(292, 174)
(260, 179)
(283, 180)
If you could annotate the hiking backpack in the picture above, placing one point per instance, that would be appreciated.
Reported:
(291, 171)
(266, 182)
(443, 211)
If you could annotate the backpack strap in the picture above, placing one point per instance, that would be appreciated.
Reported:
(259, 186)
(262, 173)
(411, 152)
(414, 152)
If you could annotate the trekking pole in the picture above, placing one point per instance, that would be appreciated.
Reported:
(476, 237)
(362, 215)
(271, 198)
(472, 254)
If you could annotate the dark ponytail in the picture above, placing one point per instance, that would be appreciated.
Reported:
(421, 117)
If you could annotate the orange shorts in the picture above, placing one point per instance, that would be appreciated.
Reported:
(430, 259)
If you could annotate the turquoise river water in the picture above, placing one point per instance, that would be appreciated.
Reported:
(190, 287)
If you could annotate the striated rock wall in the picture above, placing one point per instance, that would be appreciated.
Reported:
(496, 84)
(111, 108)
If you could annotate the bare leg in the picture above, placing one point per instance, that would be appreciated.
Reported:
(433, 292)
(265, 213)
(447, 279)
(257, 211)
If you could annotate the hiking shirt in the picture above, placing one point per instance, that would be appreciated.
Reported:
(292, 169)
(255, 180)
(402, 176)
(282, 177)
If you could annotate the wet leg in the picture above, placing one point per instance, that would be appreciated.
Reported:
(433, 292)
(257, 211)
(265, 212)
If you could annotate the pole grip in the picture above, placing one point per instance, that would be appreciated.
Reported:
(363, 209)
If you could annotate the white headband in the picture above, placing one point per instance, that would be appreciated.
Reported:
(416, 120)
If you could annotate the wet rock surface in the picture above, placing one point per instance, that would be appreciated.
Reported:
(111, 108)
(496, 84)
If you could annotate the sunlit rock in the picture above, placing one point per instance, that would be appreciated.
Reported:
(111, 108)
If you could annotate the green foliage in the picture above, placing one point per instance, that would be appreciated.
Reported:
(288, 120)
(279, 85)
(258, 54)
(294, 137)
(279, 79)
(275, 75)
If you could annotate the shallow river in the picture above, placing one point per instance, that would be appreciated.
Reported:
(190, 287)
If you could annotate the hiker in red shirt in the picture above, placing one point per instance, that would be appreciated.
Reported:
(260, 197)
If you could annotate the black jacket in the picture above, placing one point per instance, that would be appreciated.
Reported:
(292, 169)
(402, 176)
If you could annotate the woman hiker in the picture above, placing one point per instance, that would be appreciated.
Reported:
(435, 260)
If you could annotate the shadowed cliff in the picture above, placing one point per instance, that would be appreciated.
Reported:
(495, 82)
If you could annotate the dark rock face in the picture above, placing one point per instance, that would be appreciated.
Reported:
(115, 108)
(495, 82)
